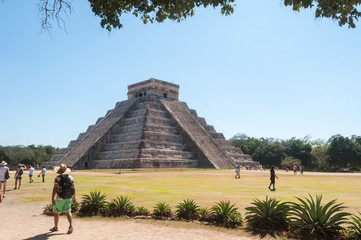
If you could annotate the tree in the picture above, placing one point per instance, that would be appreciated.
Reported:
(343, 151)
(151, 11)
(247, 144)
(343, 11)
(110, 11)
(319, 157)
(299, 149)
(269, 154)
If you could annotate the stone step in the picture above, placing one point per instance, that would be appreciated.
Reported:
(144, 163)
(145, 153)
(160, 136)
(125, 137)
(162, 129)
(64, 150)
(131, 128)
(122, 146)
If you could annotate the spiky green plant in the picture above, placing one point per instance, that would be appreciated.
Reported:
(269, 214)
(188, 209)
(142, 211)
(225, 214)
(162, 209)
(313, 220)
(355, 226)
(92, 203)
(205, 214)
(119, 206)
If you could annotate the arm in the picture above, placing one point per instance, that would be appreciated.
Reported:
(73, 198)
(16, 173)
(53, 194)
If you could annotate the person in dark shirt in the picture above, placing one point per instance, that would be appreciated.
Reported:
(272, 178)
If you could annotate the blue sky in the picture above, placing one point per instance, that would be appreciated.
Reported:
(265, 71)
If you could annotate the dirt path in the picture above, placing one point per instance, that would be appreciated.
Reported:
(27, 222)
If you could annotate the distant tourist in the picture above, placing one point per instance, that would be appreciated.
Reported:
(64, 191)
(272, 178)
(18, 176)
(43, 172)
(301, 170)
(4, 176)
(294, 169)
(31, 174)
(238, 172)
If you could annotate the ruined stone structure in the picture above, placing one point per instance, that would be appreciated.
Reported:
(152, 129)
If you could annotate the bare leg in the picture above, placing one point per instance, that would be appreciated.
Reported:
(16, 183)
(56, 220)
(4, 190)
(19, 183)
(70, 220)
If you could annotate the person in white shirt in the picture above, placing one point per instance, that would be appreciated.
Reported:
(31, 174)
(4, 175)
(43, 172)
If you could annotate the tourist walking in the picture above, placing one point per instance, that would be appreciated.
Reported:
(238, 172)
(272, 178)
(4, 176)
(18, 176)
(301, 170)
(294, 169)
(31, 174)
(43, 172)
(64, 191)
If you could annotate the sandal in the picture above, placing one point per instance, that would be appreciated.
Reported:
(54, 229)
(70, 230)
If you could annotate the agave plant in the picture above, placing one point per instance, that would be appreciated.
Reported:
(355, 226)
(312, 220)
(142, 211)
(226, 214)
(205, 215)
(269, 214)
(188, 209)
(162, 209)
(92, 203)
(120, 206)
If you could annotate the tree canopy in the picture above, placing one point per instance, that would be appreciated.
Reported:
(150, 11)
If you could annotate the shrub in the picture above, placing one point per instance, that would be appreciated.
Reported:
(226, 214)
(120, 206)
(92, 203)
(188, 209)
(161, 209)
(355, 226)
(311, 220)
(205, 215)
(269, 214)
(142, 211)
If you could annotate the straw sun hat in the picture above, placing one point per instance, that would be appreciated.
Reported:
(62, 169)
(3, 163)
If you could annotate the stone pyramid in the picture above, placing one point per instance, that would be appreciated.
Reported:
(152, 129)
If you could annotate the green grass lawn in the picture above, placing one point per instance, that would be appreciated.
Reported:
(147, 187)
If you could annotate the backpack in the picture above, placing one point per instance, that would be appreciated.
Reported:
(65, 187)
(20, 171)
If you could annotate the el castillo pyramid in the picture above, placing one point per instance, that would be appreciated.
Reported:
(152, 129)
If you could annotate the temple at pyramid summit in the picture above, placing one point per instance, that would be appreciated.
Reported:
(152, 129)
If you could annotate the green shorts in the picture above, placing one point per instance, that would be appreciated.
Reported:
(62, 205)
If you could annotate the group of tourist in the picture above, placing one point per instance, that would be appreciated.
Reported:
(20, 171)
(5, 175)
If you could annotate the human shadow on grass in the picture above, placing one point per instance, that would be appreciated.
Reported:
(44, 236)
